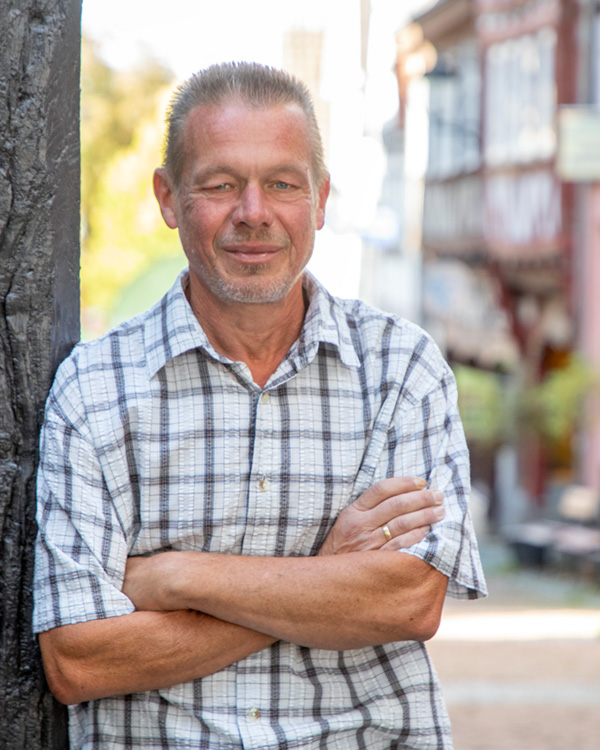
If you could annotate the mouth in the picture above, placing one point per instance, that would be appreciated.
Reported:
(252, 252)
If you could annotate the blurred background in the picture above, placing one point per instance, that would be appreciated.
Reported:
(463, 140)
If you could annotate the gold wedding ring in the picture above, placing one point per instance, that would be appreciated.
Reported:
(386, 533)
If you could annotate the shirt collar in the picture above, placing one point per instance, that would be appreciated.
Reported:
(326, 322)
(171, 328)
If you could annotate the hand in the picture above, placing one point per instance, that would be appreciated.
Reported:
(401, 504)
(146, 579)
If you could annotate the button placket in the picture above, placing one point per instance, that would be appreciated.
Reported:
(264, 482)
(259, 536)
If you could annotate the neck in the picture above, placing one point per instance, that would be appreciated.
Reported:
(260, 335)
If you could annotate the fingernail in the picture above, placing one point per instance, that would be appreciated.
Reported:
(420, 483)
(439, 512)
(438, 497)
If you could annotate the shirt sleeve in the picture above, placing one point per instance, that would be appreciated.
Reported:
(426, 439)
(81, 548)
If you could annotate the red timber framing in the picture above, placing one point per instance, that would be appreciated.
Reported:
(528, 212)
(507, 218)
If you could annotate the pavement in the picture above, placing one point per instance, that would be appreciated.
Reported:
(521, 669)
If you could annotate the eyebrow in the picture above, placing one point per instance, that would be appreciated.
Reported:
(206, 173)
(224, 169)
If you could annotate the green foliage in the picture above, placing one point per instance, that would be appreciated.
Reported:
(555, 407)
(480, 404)
(495, 409)
(122, 231)
(113, 105)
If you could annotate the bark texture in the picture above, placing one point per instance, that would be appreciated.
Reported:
(39, 318)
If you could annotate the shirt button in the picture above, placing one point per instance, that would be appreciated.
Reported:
(265, 398)
(253, 714)
(264, 484)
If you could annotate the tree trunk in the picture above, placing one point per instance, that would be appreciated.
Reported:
(39, 319)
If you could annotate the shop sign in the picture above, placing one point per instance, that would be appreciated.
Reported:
(579, 144)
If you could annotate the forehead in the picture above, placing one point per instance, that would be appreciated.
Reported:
(236, 130)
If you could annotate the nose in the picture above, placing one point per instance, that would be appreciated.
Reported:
(252, 208)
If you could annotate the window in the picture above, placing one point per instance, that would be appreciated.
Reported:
(454, 105)
(520, 103)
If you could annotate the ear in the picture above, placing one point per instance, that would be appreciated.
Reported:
(166, 197)
(322, 200)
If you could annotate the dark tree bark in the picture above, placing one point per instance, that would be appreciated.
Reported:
(39, 319)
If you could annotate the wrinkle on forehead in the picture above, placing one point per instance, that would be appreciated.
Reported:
(247, 132)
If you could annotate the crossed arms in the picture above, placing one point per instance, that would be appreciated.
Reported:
(197, 613)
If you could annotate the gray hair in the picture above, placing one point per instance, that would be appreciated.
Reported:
(253, 84)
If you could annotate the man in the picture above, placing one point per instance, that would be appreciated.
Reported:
(226, 480)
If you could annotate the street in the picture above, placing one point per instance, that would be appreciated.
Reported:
(521, 670)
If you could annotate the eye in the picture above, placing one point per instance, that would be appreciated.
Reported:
(222, 186)
(281, 185)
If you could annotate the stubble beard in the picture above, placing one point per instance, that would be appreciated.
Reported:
(257, 291)
(270, 290)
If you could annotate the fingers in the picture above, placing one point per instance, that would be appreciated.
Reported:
(388, 488)
(409, 510)
(403, 541)
(399, 503)
(405, 520)
(406, 523)
(405, 512)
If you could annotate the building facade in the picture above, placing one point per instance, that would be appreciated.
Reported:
(504, 238)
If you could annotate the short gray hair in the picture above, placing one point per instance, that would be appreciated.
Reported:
(253, 84)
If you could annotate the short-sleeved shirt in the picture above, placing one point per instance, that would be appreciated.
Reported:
(154, 441)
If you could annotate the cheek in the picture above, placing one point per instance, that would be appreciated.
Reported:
(302, 223)
(306, 233)
(200, 226)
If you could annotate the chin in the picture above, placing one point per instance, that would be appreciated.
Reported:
(253, 291)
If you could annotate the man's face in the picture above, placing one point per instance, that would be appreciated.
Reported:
(247, 209)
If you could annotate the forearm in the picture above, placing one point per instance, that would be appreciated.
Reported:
(333, 602)
(152, 649)
(141, 651)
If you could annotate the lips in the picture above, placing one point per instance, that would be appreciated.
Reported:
(251, 252)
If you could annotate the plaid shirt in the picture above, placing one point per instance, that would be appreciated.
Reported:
(154, 441)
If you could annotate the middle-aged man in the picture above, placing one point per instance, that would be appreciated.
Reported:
(227, 481)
